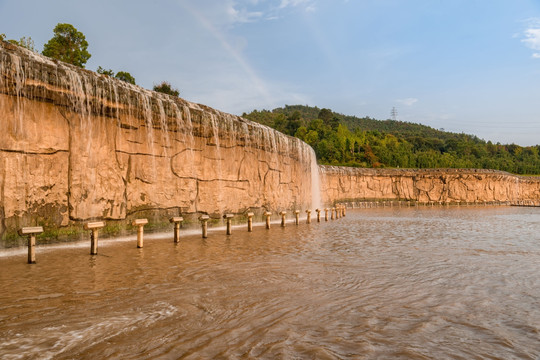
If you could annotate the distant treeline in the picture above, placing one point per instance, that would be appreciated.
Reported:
(364, 142)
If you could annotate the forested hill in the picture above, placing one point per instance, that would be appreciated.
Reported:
(365, 142)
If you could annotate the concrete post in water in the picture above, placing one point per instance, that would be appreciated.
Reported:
(318, 214)
(267, 214)
(228, 217)
(283, 213)
(250, 221)
(177, 221)
(344, 211)
(140, 230)
(308, 220)
(204, 224)
(332, 210)
(296, 217)
(325, 214)
(94, 227)
(31, 232)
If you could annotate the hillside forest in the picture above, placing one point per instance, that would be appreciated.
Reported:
(365, 142)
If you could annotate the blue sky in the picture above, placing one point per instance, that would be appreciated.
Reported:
(468, 66)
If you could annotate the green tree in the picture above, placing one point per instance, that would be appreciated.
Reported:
(325, 115)
(166, 88)
(125, 76)
(103, 71)
(294, 121)
(301, 133)
(68, 45)
(312, 137)
(280, 123)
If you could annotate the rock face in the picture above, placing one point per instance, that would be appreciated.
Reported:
(76, 146)
(437, 185)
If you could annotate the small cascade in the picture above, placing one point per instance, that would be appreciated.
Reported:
(184, 122)
(20, 80)
(10, 65)
(315, 182)
(219, 160)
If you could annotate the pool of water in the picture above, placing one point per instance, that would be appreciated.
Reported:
(411, 283)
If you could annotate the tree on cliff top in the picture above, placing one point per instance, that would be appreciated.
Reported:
(125, 76)
(166, 88)
(121, 75)
(68, 45)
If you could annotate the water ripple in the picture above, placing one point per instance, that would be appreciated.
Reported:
(380, 283)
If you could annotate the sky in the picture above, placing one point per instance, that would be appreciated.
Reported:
(469, 66)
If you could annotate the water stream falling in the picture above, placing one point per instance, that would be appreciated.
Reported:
(315, 183)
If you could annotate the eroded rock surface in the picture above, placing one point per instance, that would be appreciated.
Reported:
(425, 185)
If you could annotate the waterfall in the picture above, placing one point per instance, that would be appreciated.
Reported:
(117, 149)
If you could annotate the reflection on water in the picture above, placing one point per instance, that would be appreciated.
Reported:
(379, 283)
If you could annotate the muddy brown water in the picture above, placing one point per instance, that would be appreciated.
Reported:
(410, 283)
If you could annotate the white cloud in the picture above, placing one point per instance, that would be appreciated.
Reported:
(536, 55)
(309, 5)
(532, 38)
(285, 3)
(242, 15)
(233, 12)
(407, 101)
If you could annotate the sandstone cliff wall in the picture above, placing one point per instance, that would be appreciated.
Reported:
(76, 146)
(424, 185)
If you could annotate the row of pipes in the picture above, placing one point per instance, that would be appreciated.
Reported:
(335, 213)
(31, 232)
